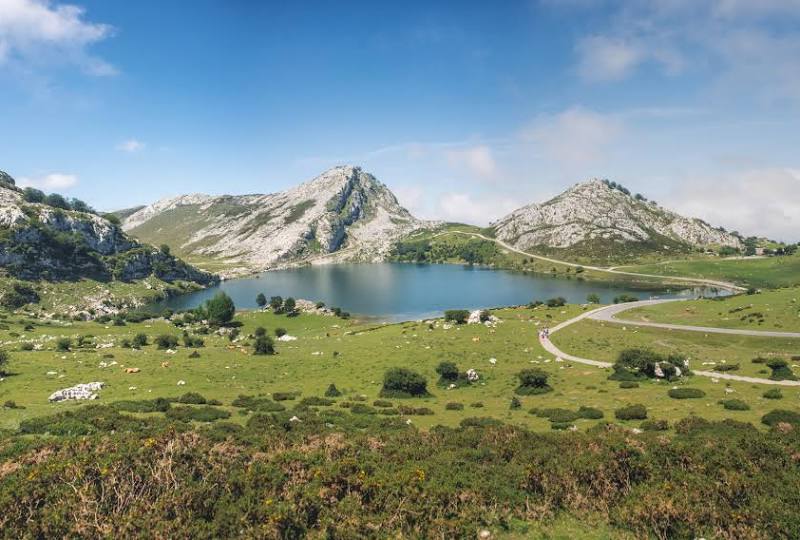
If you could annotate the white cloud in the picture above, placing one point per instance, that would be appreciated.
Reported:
(464, 208)
(131, 146)
(42, 32)
(54, 181)
(607, 59)
(574, 137)
(478, 160)
(754, 202)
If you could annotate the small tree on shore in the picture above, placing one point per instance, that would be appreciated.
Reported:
(220, 309)
(261, 300)
(263, 346)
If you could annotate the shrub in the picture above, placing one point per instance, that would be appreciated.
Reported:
(332, 391)
(454, 406)
(637, 364)
(590, 413)
(10, 404)
(532, 382)
(289, 306)
(773, 393)
(477, 405)
(625, 298)
(629, 384)
(284, 396)
(166, 341)
(261, 300)
(448, 371)
(27, 346)
(734, 405)
(197, 414)
(263, 346)
(194, 354)
(556, 414)
(654, 425)
(559, 301)
(726, 367)
(686, 393)
(260, 331)
(139, 341)
(414, 411)
(458, 316)
(382, 403)
(515, 404)
(192, 398)
(142, 406)
(593, 298)
(779, 416)
(280, 332)
(257, 404)
(780, 370)
(403, 382)
(631, 412)
(63, 344)
(361, 408)
(276, 302)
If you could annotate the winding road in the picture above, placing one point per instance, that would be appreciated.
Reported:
(607, 314)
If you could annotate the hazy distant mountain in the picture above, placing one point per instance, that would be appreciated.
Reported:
(345, 214)
(601, 219)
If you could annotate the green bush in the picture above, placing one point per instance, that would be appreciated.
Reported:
(556, 302)
(631, 412)
(26, 346)
(361, 408)
(284, 396)
(458, 316)
(590, 413)
(773, 393)
(263, 346)
(259, 404)
(780, 370)
(403, 383)
(686, 393)
(332, 391)
(166, 341)
(637, 364)
(314, 401)
(448, 371)
(734, 405)
(628, 384)
(454, 406)
(142, 406)
(414, 411)
(515, 404)
(382, 403)
(63, 344)
(726, 367)
(280, 332)
(219, 310)
(197, 414)
(781, 416)
(556, 414)
(139, 341)
(477, 405)
(532, 382)
(191, 398)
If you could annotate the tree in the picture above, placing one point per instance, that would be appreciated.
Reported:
(33, 195)
(80, 206)
(332, 391)
(260, 331)
(403, 382)
(263, 345)
(458, 316)
(56, 201)
(164, 248)
(139, 341)
(275, 303)
(289, 305)
(3, 361)
(261, 300)
(593, 298)
(220, 309)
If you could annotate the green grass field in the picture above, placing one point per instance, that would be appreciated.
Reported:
(777, 309)
(769, 272)
(355, 356)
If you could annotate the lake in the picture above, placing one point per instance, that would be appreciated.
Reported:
(396, 291)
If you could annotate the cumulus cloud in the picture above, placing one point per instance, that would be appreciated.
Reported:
(50, 182)
(466, 208)
(478, 160)
(607, 59)
(754, 202)
(131, 146)
(43, 32)
(574, 137)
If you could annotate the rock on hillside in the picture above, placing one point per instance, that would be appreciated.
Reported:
(38, 241)
(343, 214)
(597, 217)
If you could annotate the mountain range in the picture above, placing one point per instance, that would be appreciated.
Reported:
(346, 214)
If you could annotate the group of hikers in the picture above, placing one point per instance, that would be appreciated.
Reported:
(544, 333)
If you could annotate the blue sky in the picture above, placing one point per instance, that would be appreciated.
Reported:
(465, 109)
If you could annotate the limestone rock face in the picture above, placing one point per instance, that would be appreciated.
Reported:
(343, 214)
(595, 210)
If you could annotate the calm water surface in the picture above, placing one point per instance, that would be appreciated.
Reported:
(394, 291)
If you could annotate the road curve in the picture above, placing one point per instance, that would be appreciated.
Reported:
(698, 281)
(606, 314)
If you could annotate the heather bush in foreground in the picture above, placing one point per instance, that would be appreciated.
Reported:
(334, 474)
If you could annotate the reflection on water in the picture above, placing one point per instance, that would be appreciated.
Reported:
(395, 292)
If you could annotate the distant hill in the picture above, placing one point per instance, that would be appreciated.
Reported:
(343, 214)
(599, 219)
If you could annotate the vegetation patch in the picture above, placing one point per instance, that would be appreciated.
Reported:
(686, 393)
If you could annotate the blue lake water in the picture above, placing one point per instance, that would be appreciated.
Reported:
(394, 291)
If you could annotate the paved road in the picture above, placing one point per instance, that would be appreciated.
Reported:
(606, 314)
(697, 281)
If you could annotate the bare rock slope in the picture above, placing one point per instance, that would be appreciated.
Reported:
(343, 214)
(599, 217)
